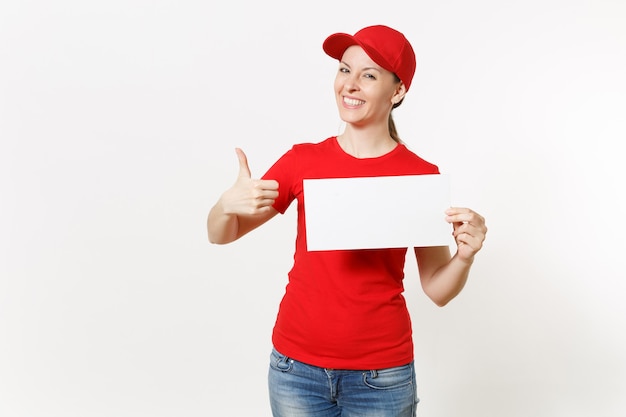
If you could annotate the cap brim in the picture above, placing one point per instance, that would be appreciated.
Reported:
(335, 45)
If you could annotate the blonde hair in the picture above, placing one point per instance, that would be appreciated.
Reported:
(393, 131)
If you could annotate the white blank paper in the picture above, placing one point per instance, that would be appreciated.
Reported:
(377, 212)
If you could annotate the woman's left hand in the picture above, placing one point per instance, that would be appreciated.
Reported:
(469, 231)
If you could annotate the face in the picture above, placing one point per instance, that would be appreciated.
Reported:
(364, 91)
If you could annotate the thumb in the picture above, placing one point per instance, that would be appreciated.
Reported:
(244, 170)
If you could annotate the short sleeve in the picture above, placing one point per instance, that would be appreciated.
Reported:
(283, 172)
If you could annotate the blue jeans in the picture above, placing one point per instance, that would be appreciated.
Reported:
(300, 390)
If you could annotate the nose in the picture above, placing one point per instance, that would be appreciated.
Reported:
(352, 83)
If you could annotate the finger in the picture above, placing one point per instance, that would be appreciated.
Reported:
(269, 185)
(453, 216)
(474, 243)
(264, 190)
(461, 233)
(259, 193)
(471, 230)
(244, 170)
(457, 210)
(470, 235)
(262, 203)
(464, 215)
(265, 204)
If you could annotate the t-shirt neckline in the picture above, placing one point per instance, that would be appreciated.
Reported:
(339, 149)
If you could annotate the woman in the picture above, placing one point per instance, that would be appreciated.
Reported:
(343, 339)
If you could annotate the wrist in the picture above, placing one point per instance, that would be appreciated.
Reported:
(464, 259)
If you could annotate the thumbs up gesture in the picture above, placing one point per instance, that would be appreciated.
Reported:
(248, 196)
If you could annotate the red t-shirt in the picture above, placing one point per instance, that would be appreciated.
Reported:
(343, 309)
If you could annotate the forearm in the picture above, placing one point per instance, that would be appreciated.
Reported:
(222, 227)
(447, 281)
(225, 227)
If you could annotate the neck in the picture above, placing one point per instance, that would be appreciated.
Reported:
(366, 143)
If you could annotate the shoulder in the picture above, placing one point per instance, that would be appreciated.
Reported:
(313, 147)
(303, 153)
(313, 150)
(414, 159)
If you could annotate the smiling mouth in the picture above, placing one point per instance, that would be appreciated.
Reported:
(352, 101)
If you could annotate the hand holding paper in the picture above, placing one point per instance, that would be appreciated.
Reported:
(469, 231)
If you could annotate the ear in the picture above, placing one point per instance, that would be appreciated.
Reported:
(399, 94)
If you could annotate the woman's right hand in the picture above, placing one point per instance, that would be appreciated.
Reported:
(248, 196)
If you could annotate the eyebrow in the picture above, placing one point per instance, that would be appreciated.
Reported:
(364, 69)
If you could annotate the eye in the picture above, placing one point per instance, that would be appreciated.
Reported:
(369, 76)
(344, 70)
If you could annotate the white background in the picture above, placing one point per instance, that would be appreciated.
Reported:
(118, 123)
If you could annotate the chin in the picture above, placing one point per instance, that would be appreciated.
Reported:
(349, 116)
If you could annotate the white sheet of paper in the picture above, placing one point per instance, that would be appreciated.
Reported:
(377, 212)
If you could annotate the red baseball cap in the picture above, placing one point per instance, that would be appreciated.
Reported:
(386, 46)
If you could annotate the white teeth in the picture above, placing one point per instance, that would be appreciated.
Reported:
(352, 102)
